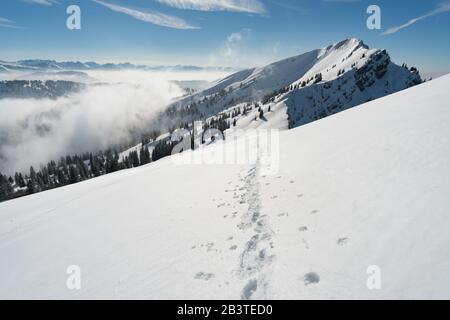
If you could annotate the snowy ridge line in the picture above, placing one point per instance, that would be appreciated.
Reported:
(309, 86)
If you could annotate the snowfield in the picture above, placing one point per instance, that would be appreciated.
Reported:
(366, 187)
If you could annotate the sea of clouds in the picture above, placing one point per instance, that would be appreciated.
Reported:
(33, 132)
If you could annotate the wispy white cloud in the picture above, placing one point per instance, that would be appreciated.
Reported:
(42, 2)
(152, 17)
(4, 20)
(247, 6)
(443, 7)
(276, 47)
(289, 6)
(6, 23)
(233, 42)
(233, 51)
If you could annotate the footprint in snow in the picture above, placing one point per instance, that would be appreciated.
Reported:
(311, 278)
(303, 229)
(343, 241)
(266, 236)
(300, 195)
(305, 243)
(232, 248)
(314, 211)
(249, 289)
(204, 276)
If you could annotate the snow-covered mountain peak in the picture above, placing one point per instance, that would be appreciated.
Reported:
(351, 44)
(312, 85)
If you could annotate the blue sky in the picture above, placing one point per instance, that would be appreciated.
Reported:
(236, 33)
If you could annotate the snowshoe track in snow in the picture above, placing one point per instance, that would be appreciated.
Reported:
(256, 258)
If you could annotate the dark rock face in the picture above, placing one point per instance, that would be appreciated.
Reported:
(377, 66)
(378, 77)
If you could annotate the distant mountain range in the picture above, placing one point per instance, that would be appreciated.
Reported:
(52, 65)
(36, 89)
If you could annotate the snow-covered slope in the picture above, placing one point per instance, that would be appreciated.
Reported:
(368, 186)
(310, 86)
